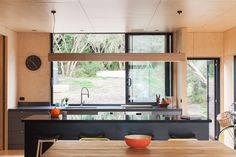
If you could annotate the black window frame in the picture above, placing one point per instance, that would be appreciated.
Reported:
(168, 65)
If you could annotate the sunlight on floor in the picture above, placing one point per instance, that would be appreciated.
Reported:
(11, 153)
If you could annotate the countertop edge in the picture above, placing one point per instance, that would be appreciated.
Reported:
(121, 121)
(93, 109)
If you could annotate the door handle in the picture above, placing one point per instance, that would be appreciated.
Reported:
(129, 82)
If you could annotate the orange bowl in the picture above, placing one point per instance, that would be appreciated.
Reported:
(138, 141)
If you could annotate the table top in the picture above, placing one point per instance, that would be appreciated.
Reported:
(156, 148)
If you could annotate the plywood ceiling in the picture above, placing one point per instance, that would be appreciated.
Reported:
(118, 15)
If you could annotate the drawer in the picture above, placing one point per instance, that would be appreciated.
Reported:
(16, 137)
(25, 113)
(15, 124)
(14, 114)
(16, 146)
(15, 117)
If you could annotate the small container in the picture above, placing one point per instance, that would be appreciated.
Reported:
(64, 114)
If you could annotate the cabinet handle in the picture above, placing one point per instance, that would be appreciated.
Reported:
(21, 111)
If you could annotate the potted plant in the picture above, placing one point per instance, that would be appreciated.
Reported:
(66, 101)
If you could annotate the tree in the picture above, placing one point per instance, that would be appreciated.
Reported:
(86, 43)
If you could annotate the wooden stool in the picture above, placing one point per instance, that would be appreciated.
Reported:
(42, 140)
(182, 139)
(182, 136)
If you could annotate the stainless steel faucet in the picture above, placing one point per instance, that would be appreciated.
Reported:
(82, 93)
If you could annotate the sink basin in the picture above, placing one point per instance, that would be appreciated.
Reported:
(78, 107)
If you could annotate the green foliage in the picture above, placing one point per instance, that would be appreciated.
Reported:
(148, 43)
(78, 83)
(88, 69)
(87, 43)
(111, 65)
(196, 89)
(196, 85)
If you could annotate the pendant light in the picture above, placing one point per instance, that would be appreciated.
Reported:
(54, 20)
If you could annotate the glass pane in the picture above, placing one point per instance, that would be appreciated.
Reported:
(104, 80)
(88, 43)
(211, 91)
(201, 90)
(200, 86)
(147, 43)
(147, 80)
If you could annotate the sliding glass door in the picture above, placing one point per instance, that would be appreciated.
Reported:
(203, 90)
(146, 79)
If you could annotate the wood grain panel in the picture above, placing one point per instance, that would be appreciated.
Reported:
(156, 149)
(1, 93)
(5, 108)
(174, 57)
(208, 44)
(33, 85)
(229, 42)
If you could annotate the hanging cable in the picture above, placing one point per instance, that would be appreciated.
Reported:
(54, 20)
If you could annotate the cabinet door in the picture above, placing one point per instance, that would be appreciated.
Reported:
(16, 126)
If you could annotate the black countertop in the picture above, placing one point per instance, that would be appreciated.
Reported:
(111, 118)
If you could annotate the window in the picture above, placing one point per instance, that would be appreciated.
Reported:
(105, 80)
(110, 82)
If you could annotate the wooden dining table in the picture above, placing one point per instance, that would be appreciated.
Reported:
(155, 149)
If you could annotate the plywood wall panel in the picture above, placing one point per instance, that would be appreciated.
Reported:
(34, 85)
(230, 42)
(1, 94)
(189, 44)
(180, 88)
(208, 44)
(229, 53)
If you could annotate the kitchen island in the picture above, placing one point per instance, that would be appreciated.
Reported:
(16, 126)
(111, 126)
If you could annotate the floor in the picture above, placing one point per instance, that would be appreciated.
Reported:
(11, 153)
